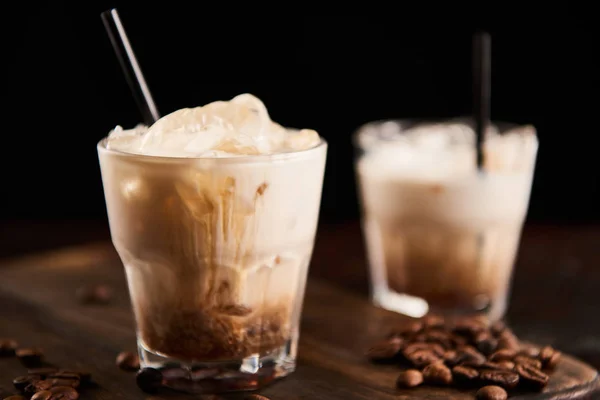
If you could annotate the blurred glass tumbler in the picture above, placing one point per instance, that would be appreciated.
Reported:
(216, 252)
(442, 236)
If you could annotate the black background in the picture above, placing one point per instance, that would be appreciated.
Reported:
(64, 91)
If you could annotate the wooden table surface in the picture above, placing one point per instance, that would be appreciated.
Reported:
(555, 301)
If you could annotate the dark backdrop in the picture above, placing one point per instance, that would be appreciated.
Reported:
(64, 91)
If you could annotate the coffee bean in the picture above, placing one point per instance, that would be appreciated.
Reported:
(531, 378)
(458, 340)
(469, 355)
(528, 361)
(15, 397)
(94, 294)
(463, 375)
(437, 374)
(74, 383)
(30, 357)
(495, 366)
(485, 342)
(255, 397)
(508, 340)
(529, 351)
(8, 347)
(422, 358)
(385, 350)
(450, 357)
(503, 355)
(128, 361)
(549, 357)
(21, 382)
(149, 380)
(491, 393)
(506, 365)
(433, 321)
(467, 327)
(439, 337)
(409, 378)
(42, 395)
(64, 393)
(42, 372)
(433, 347)
(41, 385)
(506, 379)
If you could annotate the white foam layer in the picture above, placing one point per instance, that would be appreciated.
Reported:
(238, 127)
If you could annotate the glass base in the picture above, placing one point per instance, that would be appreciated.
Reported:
(250, 373)
(417, 307)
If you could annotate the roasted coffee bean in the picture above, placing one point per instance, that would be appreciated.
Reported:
(467, 327)
(94, 294)
(64, 393)
(30, 357)
(491, 393)
(433, 321)
(439, 337)
(463, 375)
(497, 328)
(15, 397)
(531, 377)
(21, 382)
(508, 340)
(506, 365)
(529, 351)
(409, 379)
(549, 357)
(8, 347)
(149, 380)
(433, 347)
(450, 357)
(128, 361)
(470, 355)
(485, 342)
(42, 395)
(506, 379)
(437, 374)
(458, 340)
(74, 383)
(422, 358)
(385, 350)
(503, 355)
(528, 361)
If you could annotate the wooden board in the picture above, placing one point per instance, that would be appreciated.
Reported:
(39, 308)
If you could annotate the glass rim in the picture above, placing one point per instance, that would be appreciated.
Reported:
(242, 159)
(502, 126)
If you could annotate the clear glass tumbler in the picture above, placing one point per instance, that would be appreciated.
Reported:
(216, 253)
(442, 235)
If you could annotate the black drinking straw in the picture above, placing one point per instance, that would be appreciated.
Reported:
(130, 66)
(481, 88)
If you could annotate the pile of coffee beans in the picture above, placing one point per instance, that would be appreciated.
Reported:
(42, 381)
(467, 353)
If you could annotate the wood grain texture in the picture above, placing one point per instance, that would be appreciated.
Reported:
(39, 308)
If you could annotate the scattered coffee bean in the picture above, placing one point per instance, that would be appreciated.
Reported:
(491, 393)
(440, 338)
(42, 372)
(128, 361)
(74, 383)
(537, 364)
(64, 393)
(508, 340)
(463, 375)
(433, 347)
(437, 374)
(450, 357)
(529, 351)
(15, 397)
(385, 350)
(468, 327)
(422, 358)
(497, 328)
(531, 378)
(42, 395)
(94, 294)
(503, 355)
(469, 355)
(41, 385)
(505, 379)
(149, 380)
(30, 357)
(21, 382)
(409, 378)
(485, 342)
(8, 347)
(549, 357)
(506, 365)
(84, 376)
